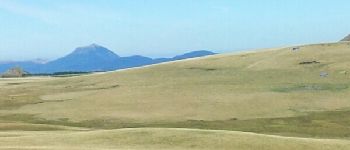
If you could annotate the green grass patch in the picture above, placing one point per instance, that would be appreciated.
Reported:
(332, 124)
(335, 124)
(311, 87)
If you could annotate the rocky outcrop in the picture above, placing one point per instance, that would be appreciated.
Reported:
(15, 72)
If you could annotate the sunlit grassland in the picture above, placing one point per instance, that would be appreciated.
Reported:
(153, 138)
(267, 92)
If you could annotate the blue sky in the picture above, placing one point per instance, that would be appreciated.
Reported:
(157, 28)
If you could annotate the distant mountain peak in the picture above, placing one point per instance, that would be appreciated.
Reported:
(92, 48)
(86, 58)
(194, 54)
(346, 39)
(91, 58)
(94, 45)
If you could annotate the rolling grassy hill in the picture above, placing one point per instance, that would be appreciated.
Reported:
(294, 91)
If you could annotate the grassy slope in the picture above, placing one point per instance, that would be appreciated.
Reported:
(255, 85)
(225, 92)
(172, 139)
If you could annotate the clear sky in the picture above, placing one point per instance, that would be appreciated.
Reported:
(49, 29)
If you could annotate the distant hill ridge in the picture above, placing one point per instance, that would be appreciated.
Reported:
(346, 39)
(94, 58)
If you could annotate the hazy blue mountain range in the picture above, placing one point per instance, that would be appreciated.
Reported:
(94, 58)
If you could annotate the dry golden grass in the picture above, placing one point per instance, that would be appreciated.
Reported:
(244, 86)
(171, 139)
(219, 87)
